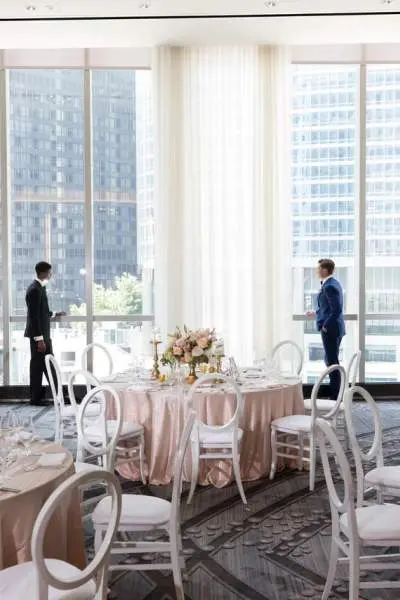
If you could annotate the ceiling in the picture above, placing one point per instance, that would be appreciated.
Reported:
(10, 9)
(37, 24)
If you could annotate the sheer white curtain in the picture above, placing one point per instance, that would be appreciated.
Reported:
(222, 193)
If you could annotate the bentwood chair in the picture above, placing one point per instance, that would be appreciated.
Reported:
(301, 428)
(356, 528)
(148, 514)
(51, 579)
(104, 350)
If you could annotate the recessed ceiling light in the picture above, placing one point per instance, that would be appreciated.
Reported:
(270, 3)
(146, 4)
(30, 7)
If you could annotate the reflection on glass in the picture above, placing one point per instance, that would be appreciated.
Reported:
(47, 182)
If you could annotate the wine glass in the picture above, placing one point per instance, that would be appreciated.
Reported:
(27, 433)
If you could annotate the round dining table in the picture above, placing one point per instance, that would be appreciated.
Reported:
(161, 410)
(19, 508)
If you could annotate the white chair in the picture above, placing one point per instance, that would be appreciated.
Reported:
(148, 514)
(356, 528)
(130, 432)
(90, 348)
(298, 353)
(90, 381)
(63, 412)
(102, 446)
(302, 427)
(225, 440)
(383, 479)
(45, 579)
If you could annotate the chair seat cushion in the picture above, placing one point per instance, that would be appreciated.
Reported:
(136, 510)
(375, 523)
(213, 439)
(129, 429)
(323, 404)
(293, 423)
(384, 476)
(19, 582)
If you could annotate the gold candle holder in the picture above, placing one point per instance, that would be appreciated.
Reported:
(155, 374)
(218, 366)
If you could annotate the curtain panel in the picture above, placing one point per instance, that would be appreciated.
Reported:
(222, 193)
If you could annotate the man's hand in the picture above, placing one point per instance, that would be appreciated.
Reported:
(310, 313)
(324, 329)
(60, 314)
(41, 346)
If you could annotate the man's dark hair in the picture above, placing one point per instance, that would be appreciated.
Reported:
(328, 264)
(42, 267)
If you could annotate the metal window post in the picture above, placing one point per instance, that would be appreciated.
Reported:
(362, 158)
(88, 210)
(5, 222)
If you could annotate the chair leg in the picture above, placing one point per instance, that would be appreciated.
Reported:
(236, 470)
(354, 573)
(176, 569)
(141, 461)
(301, 451)
(313, 459)
(57, 431)
(274, 453)
(195, 470)
(98, 538)
(334, 555)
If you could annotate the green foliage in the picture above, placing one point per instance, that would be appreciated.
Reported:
(124, 298)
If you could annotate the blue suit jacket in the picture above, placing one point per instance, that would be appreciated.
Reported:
(330, 308)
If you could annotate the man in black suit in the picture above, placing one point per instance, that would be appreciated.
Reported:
(38, 329)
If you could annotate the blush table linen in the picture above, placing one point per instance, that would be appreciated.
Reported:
(162, 413)
(18, 511)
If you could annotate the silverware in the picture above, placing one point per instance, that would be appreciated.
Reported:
(9, 490)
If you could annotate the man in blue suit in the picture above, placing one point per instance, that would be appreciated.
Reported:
(330, 320)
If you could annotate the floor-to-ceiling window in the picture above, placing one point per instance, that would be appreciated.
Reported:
(346, 206)
(79, 152)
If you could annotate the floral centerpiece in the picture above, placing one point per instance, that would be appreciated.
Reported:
(189, 347)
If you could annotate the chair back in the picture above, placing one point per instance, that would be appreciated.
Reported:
(331, 413)
(90, 381)
(53, 369)
(353, 368)
(233, 422)
(298, 353)
(178, 468)
(104, 444)
(97, 568)
(375, 452)
(90, 348)
(326, 437)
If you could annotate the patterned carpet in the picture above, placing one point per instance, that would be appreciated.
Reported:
(275, 549)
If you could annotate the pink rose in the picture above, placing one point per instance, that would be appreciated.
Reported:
(197, 352)
(203, 342)
(177, 350)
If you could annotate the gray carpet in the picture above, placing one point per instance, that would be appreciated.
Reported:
(275, 549)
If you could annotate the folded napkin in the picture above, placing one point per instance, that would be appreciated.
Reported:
(51, 460)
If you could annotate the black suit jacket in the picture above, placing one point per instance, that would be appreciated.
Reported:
(39, 314)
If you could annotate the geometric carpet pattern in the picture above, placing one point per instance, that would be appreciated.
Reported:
(276, 548)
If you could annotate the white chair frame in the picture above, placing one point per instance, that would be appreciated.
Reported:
(90, 382)
(172, 526)
(96, 571)
(299, 352)
(383, 479)
(123, 454)
(62, 412)
(352, 368)
(347, 540)
(220, 450)
(285, 428)
(89, 348)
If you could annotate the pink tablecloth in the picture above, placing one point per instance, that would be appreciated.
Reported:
(64, 537)
(162, 415)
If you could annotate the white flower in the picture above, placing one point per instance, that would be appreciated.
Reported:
(197, 351)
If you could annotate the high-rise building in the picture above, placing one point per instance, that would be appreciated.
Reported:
(325, 193)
